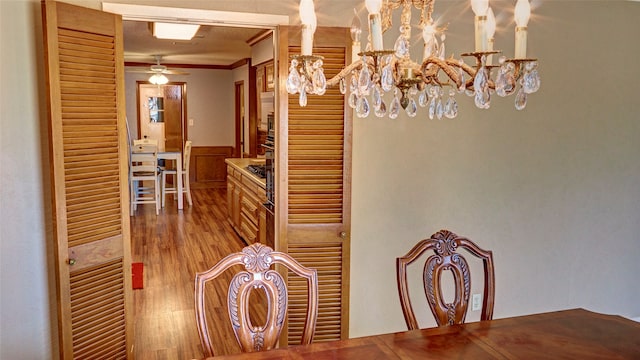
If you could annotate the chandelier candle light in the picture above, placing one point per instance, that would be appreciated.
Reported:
(377, 71)
(306, 75)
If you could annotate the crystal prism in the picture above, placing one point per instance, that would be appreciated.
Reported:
(303, 98)
(395, 108)
(387, 78)
(376, 97)
(531, 81)
(423, 98)
(319, 82)
(412, 108)
(343, 86)
(362, 107)
(432, 108)
(401, 47)
(381, 110)
(364, 81)
(353, 100)
(439, 110)
(293, 80)
(451, 109)
(521, 99)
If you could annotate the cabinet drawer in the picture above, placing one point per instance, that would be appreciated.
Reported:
(249, 230)
(250, 185)
(250, 207)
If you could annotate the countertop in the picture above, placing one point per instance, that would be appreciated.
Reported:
(241, 164)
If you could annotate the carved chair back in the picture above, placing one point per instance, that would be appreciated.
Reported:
(445, 245)
(257, 260)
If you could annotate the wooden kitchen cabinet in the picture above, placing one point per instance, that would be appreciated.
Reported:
(245, 196)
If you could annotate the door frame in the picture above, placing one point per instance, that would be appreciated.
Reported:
(240, 116)
(183, 115)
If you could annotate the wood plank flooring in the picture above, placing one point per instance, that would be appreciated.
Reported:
(173, 246)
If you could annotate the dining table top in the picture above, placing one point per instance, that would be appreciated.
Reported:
(566, 334)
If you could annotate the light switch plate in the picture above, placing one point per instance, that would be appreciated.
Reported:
(476, 302)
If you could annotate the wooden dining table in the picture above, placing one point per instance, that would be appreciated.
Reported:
(567, 334)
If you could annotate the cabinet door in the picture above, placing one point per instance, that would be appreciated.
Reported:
(230, 188)
(313, 204)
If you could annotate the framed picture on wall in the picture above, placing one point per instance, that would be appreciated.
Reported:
(269, 76)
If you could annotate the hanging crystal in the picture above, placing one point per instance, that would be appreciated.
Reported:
(395, 106)
(343, 86)
(303, 97)
(439, 109)
(353, 84)
(364, 81)
(293, 80)
(531, 79)
(362, 107)
(381, 110)
(319, 82)
(401, 47)
(481, 86)
(376, 96)
(501, 82)
(521, 99)
(423, 98)
(463, 81)
(483, 99)
(386, 81)
(353, 100)
(451, 108)
(412, 108)
(432, 108)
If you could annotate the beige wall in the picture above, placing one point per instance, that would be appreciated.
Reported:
(209, 104)
(553, 190)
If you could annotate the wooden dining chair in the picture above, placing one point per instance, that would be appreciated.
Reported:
(445, 245)
(144, 168)
(186, 186)
(145, 141)
(257, 260)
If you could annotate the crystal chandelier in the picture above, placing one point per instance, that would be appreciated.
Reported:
(377, 71)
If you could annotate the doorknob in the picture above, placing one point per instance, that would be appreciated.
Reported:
(72, 261)
(343, 234)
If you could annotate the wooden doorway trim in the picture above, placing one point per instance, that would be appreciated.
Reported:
(240, 115)
(167, 91)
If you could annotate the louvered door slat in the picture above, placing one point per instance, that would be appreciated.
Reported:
(100, 284)
(327, 260)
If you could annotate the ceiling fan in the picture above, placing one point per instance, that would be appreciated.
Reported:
(158, 72)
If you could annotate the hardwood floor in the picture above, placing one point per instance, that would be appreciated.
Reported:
(173, 246)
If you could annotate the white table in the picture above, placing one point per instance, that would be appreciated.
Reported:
(177, 156)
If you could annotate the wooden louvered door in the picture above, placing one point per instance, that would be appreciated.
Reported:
(88, 152)
(314, 170)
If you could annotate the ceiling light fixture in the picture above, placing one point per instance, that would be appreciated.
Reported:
(376, 71)
(174, 31)
(158, 79)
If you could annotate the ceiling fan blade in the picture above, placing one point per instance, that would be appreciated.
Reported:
(138, 70)
(175, 72)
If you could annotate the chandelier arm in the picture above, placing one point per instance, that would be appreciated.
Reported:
(387, 12)
(356, 65)
(448, 68)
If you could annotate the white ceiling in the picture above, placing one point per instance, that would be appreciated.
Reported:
(212, 45)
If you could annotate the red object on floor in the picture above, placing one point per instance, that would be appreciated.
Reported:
(136, 275)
